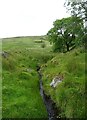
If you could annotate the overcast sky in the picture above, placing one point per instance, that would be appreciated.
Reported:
(29, 17)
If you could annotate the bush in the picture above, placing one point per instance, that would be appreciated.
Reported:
(38, 41)
(43, 45)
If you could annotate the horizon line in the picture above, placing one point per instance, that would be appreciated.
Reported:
(21, 36)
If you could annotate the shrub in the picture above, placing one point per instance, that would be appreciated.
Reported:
(38, 41)
(43, 45)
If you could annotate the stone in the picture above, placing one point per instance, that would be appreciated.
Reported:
(4, 54)
(56, 80)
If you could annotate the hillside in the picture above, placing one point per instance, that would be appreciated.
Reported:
(20, 81)
(69, 95)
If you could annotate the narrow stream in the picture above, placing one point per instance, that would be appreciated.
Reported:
(50, 106)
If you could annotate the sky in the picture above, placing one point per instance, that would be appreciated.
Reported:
(29, 17)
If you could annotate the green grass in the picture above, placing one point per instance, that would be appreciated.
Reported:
(21, 95)
(69, 95)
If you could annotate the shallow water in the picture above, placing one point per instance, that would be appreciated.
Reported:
(50, 106)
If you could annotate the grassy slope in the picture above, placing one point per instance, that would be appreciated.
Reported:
(69, 95)
(21, 96)
(18, 82)
(0, 81)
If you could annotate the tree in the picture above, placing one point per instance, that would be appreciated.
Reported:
(65, 33)
(79, 8)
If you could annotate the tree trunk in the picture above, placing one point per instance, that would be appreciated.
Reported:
(67, 46)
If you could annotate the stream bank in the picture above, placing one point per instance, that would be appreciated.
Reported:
(51, 108)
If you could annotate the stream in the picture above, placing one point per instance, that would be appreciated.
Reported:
(50, 105)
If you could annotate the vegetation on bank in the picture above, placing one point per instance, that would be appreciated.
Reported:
(21, 56)
(69, 37)
(69, 95)
(20, 83)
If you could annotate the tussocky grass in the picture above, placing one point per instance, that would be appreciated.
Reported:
(20, 83)
(21, 97)
(69, 95)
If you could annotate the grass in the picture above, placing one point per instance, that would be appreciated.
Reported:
(21, 95)
(0, 80)
(69, 95)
